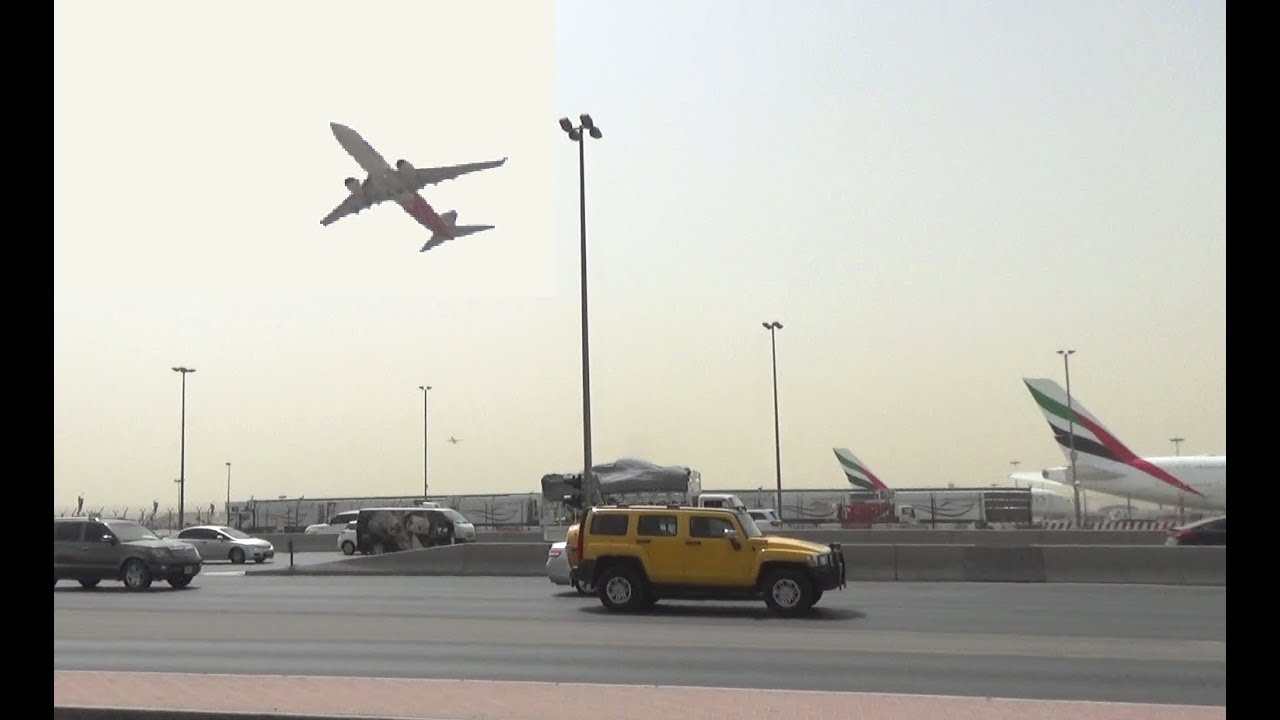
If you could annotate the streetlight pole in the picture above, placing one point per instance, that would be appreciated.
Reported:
(577, 135)
(228, 508)
(1071, 434)
(1015, 464)
(424, 389)
(772, 327)
(1177, 445)
(182, 466)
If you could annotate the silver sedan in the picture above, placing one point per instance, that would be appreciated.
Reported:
(559, 572)
(218, 542)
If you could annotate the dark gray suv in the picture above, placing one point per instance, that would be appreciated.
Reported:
(91, 550)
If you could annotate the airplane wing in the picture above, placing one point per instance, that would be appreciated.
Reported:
(423, 177)
(365, 198)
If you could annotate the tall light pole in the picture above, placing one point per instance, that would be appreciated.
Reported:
(1177, 445)
(1015, 464)
(228, 508)
(772, 327)
(577, 135)
(182, 465)
(424, 389)
(1071, 434)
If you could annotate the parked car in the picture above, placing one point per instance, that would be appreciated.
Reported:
(90, 550)
(1208, 531)
(218, 542)
(766, 518)
(347, 539)
(335, 526)
(559, 572)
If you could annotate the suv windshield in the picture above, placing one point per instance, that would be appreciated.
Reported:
(233, 532)
(454, 515)
(748, 524)
(130, 531)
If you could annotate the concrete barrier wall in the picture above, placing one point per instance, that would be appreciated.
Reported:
(1157, 565)
(913, 536)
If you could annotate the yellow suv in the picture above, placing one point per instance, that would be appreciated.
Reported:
(636, 555)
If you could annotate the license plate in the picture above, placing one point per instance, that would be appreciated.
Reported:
(190, 569)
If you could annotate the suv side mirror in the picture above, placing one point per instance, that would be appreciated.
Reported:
(109, 539)
(732, 536)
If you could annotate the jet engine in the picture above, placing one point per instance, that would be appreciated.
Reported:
(404, 166)
(352, 184)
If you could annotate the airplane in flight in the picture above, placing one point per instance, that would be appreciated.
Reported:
(1044, 503)
(402, 184)
(454, 440)
(1106, 465)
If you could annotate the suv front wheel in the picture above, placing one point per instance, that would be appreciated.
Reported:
(620, 588)
(788, 591)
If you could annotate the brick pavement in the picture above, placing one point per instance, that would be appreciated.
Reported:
(423, 699)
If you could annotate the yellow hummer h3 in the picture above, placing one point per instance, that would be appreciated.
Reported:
(634, 555)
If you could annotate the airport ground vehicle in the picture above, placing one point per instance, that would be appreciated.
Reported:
(381, 530)
(90, 550)
(218, 542)
(766, 518)
(637, 555)
(625, 481)
(347, 539)
(1208, 531)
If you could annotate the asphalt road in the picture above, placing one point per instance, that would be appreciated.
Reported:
(1049, 641)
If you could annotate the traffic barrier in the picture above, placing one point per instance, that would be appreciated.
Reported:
(929, 563)
(1203, 565)
(506, 559)
(1003, 564)
(902, 536)
(869, 562)
(1100, 564)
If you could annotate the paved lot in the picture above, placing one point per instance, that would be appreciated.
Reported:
(1069, 642)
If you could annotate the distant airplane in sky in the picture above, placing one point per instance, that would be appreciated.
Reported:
(454, 440)
(1103, 463)
(402, 184)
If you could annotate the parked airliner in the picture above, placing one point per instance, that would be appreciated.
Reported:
(1044, 503)
(1105, 464)
(402, 184)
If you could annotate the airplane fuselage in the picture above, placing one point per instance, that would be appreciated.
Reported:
(388, 179)
(1205, 477)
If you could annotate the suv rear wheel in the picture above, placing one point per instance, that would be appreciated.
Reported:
(621, 588)
(788, 591)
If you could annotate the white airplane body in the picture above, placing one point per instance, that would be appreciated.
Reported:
(1106, 465)
(1044, 503)
(401, 183)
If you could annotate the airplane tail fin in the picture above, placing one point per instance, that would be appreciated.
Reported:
(1091, 438)
(1100, 451)
(856, 471)
(450, 219)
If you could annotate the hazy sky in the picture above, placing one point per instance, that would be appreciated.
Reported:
(932, 197)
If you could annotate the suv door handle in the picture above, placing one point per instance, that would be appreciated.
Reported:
(643, 541)
(692, 542)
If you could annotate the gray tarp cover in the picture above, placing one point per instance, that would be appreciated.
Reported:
(624, 476)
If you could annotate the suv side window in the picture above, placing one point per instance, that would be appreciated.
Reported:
(67, 531)
(610, 524)
(94, 531)
(656, 526)
(701, 526)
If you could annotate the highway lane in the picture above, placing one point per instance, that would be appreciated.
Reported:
(1082, 642)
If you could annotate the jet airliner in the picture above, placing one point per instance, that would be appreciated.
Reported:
(402, 184)
(1105, 464)
(1044, 503)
